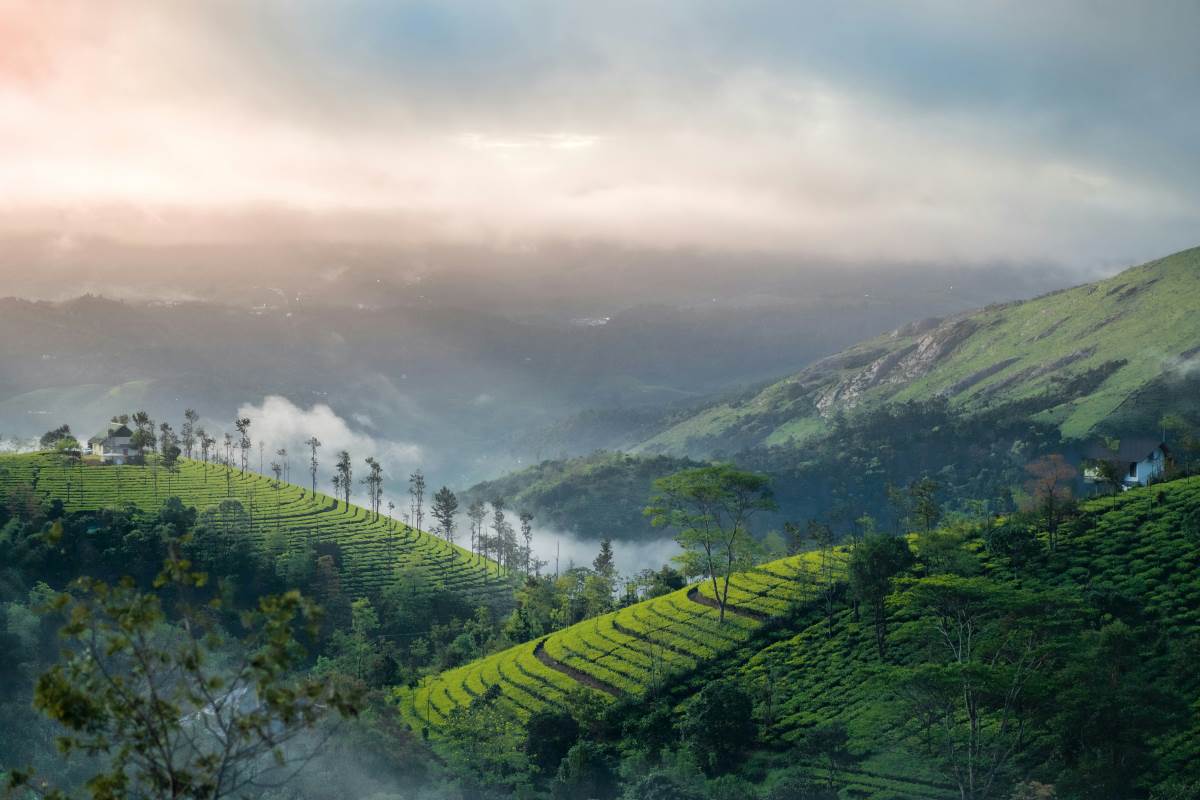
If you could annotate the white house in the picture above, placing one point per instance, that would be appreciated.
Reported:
(112, 445)
(1138, 461)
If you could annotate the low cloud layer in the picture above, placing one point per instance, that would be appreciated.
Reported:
(278, 422)
(924, 131)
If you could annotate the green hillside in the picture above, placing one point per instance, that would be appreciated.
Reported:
(1128, 564)
(1074, 358)
(620, 654)
(372, 550)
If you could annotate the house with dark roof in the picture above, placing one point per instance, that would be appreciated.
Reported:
(112, 445)
(1138, 460)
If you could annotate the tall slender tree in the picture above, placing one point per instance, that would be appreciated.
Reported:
(187, 434)
(313, 444)
(476, 513)
(345, 475)
(143, 433)
(287, 465)
(416, 492)
(374, 484)
(445, 506)
(500, 528)
(242, 424)
(527, 534)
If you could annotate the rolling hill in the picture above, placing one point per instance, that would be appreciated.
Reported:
(372, 550)
(1118, 349)
(1128, 561)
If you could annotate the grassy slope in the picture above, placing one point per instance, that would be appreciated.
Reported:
(1145, 316)
(1133, 546)
(630, 650)
(372, 550)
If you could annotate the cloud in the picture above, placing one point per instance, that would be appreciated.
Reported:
(280, 423)
(924, 131)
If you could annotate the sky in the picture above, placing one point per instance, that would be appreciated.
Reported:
(922, 132)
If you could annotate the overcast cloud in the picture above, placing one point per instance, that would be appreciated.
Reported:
(1056, 132)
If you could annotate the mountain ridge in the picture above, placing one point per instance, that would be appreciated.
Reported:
(1077, 354)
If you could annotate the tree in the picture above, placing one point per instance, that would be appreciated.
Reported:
(710, 509)
(527, 535)
(143, 434)
(445, 506)
(188, 434)
(604, 563)
(718, 725)
(476, 513)
(821, 535)
(358, 654)
(206, 443)
(1107, 472)
(69, 452)
(874, 563)
(485, 746)
(1109, 711)
(924, 504)
(174, 718)
(170, 458)
(1185, 439)
(343, 475)
(374, 484)
(972, 706)
(499, 527)
(51, 438)
(287, 465)
(242, 425)
(166, 444)
(416, 492)
(313, 444)
(1050, 488)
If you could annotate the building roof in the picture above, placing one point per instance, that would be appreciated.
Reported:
(1134, 448)
(115, 429)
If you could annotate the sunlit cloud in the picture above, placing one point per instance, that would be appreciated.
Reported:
(953, 135)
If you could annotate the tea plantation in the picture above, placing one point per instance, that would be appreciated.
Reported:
(1127, 560)
(372, 549)
(620, 654)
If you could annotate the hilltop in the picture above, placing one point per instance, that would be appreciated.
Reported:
(368, 552)
(1117, 352)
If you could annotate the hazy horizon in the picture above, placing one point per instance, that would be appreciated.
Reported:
(807, 135)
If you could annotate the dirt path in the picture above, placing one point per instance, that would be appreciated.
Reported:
(695, 596)
(541, 655)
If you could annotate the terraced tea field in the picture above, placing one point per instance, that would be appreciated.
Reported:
(623, 653)
(373, 550)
